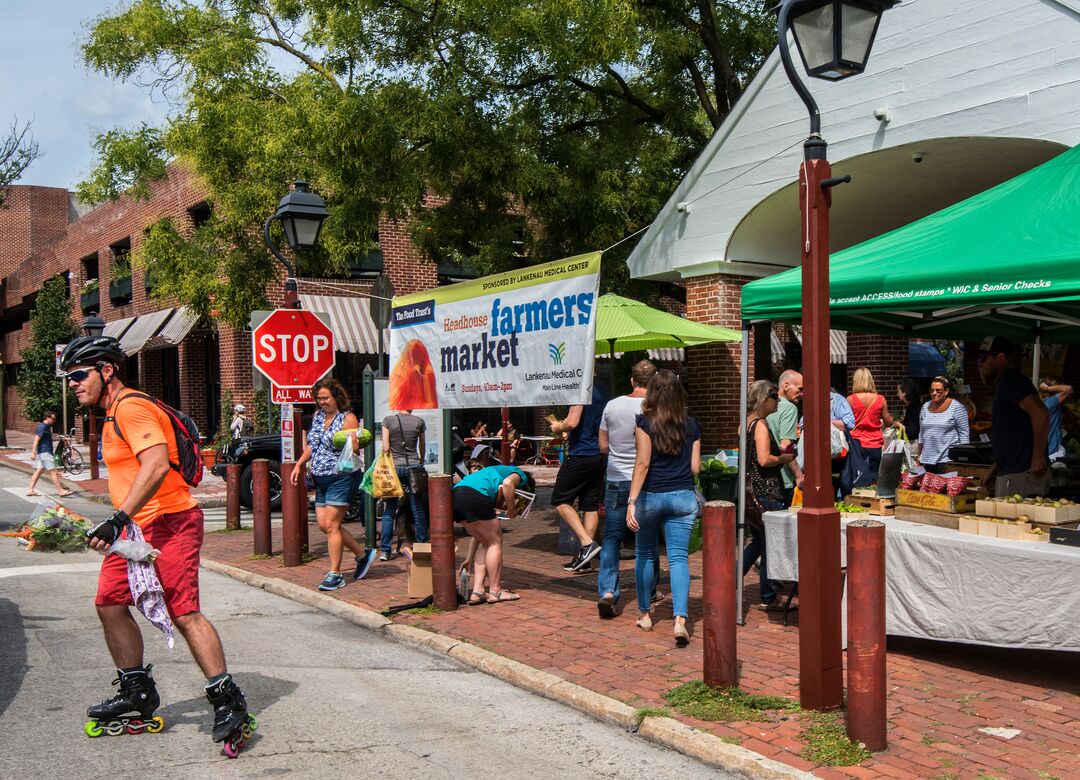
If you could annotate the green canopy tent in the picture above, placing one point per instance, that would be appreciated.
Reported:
(627, 325)
(1003, 262)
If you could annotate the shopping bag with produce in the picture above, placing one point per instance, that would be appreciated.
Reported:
(385, 482)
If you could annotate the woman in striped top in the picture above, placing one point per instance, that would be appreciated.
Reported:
(943, 422)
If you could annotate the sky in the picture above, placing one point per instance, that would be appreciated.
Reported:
(45, 81)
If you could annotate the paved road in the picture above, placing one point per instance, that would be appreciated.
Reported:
(331, 698)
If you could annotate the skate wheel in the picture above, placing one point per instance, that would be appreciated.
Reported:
(231, 748)
(252, 723)
(115, 728)
(92, 729)
(154, 725)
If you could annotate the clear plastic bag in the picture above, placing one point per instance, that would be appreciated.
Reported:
(134, 550)
(348, 463)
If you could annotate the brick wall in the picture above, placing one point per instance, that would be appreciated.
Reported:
(885, 356)
(30, 218)
(714, 369)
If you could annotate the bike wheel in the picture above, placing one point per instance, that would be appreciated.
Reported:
(73, 461)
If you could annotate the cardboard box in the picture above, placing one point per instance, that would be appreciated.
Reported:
(986, 528)
(987, 507)
(1013, 531)
(969, 524)
(420, 571)
(1030, 537)
(1005, 509)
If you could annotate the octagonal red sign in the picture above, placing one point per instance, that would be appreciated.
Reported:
(293, 348)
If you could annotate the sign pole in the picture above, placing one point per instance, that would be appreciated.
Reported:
(368, 408)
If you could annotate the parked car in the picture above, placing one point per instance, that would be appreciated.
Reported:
(247, 450)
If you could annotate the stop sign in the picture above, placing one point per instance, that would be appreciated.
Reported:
(293, 348)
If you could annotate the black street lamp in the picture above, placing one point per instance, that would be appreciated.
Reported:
(834, 38)
(301, 214)
(93, 325)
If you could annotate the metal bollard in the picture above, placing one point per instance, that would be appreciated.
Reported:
(867, 675)
(260, 509)
(719, 573)
(441, 529)
(291, 543)
(232, 496)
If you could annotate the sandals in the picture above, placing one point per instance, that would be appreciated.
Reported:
(502, 595)
(476, 598)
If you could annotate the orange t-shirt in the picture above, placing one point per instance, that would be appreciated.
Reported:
(144, 425)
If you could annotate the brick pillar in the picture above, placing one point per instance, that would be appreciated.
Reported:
(234, 352)
(714, 368)
(193, 379)
(150, 372)
(885, 356)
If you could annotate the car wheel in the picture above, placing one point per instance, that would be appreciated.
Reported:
(247, 492)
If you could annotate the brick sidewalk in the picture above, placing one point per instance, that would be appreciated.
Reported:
(940, 694)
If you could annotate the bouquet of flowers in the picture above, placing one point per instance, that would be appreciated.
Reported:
(52, 527)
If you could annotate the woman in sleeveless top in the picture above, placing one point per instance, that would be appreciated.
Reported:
(763, 464)
(871, 410)
(333, 491)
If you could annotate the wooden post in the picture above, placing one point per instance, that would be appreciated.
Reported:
(867, 675)
(260, 489)
(232, 496)
(441, 530)
(719, 573)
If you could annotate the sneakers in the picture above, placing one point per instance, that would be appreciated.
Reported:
(387, 556)
(657, 597)
(363, 565)
(588, 552)
(606, 607)
(332, 581)
(570, 564)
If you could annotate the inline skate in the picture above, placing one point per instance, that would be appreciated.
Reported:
(131, 710)
(232, 722)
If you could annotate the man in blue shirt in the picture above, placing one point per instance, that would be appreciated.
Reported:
(581, 475)
(43, 456)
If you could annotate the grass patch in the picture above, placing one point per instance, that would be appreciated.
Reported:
(827, 743)
(1045, 775)
(259, 557)
(929, 740)
(731, 740)
(650, 712)
(724, 705)
(430, 609)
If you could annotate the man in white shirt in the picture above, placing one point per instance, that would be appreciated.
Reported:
(617, 441)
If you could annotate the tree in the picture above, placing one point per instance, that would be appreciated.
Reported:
(580, 115)
(50, 324)
(17, 151)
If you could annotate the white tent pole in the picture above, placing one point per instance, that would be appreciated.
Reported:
(740, 491)
(1036, 358)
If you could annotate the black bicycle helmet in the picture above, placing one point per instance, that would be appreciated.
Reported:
(91, 350)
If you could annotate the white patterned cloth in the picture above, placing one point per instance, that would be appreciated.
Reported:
(146, 590)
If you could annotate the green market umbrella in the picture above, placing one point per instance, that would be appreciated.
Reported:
(627, 325)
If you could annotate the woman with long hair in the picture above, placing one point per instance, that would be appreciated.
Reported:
(908, 393)
(662, 495)
(763, 464)
(943, 422)
(333, 490)
(871, 410)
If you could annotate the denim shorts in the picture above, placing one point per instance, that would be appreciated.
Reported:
(335, 489)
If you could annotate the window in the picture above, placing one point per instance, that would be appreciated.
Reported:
(367, 265)
(200, 214)
(120, 273)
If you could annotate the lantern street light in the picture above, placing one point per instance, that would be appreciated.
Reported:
(834, 38)
(301, 214)
(93, 325)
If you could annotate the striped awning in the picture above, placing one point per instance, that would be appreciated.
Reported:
(350, 320)
(142, 330)
(670, 354)
(837, 345)
(175, 330)
(116, 328)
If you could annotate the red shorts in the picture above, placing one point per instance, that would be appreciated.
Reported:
(179, 537)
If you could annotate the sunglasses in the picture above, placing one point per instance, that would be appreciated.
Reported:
(79, 375)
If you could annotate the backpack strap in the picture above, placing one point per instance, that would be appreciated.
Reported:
(112, 418)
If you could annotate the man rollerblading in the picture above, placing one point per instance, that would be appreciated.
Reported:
(141, 445)
(131, 710)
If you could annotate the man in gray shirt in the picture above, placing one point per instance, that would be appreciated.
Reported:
(784, 426)
(617, 426)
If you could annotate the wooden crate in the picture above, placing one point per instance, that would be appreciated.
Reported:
(928, 517)
(873, 505)
(938, 502)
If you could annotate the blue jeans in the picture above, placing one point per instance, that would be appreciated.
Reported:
(416, 504)
(615, 498)
(675, 512)
(757, 548)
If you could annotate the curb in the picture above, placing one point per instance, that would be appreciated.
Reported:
(666, 732)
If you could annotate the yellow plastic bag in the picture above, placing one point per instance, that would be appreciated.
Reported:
(796, 497)
(385, 479)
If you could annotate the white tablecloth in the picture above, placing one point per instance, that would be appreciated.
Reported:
(942, 584)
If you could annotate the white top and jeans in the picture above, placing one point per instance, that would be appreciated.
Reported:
(938, 431)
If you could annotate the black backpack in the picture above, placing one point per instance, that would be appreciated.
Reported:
(186, 433)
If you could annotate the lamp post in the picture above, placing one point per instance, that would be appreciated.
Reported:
(834, 38)
(301, 214)
(93, 325)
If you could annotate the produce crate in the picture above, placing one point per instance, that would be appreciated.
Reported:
(968, 524)
(988, 528)
(874, 505)
(939, 502)
(987, 507)
(718, 487)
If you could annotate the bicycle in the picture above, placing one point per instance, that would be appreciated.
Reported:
(68, 455)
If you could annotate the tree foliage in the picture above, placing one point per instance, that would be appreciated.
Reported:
(580, 114)
(18, 150)
(50, 324)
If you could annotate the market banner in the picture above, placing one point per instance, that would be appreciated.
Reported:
(521, 338)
